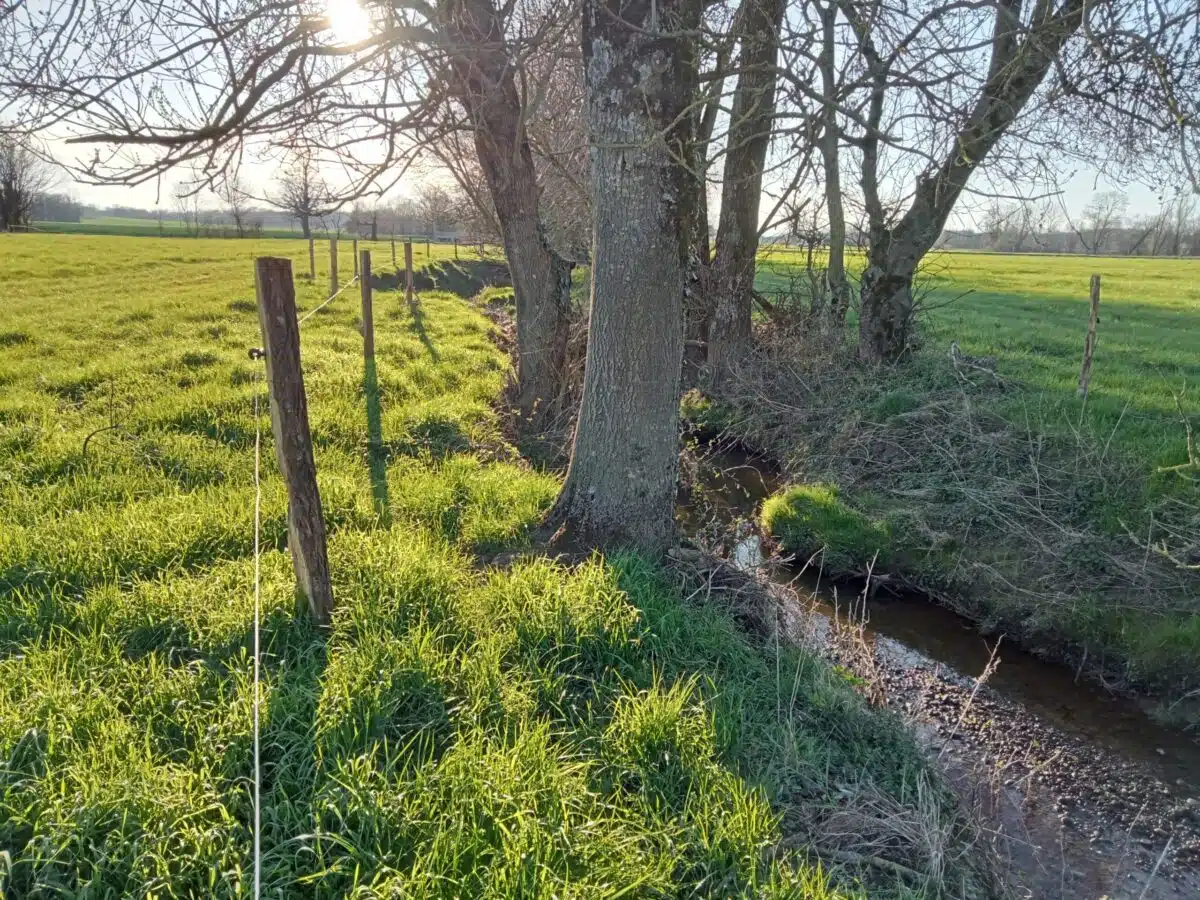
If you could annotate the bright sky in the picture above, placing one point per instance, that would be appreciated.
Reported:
(349, 23)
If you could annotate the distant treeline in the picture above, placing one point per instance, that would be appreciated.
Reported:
(1120, 242)
(376, 222)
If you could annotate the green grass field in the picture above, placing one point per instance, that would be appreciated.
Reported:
(462, 731)
(1054, 496)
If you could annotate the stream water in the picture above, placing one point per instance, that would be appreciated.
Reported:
(917, 633)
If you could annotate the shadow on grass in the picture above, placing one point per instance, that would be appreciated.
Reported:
(464, 278)
(288, 751)
(376, 454)
(417, 326)
(395, 281)
(468, 277)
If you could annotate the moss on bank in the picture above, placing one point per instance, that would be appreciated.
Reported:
(811, 520)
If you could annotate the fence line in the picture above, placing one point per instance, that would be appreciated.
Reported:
(328, 300)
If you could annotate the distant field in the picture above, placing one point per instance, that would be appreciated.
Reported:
(118, 225)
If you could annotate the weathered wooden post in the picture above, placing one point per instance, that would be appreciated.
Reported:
(1089, 344)
(408, 272)
(333, 276)
(312, 260)
(355, 251)
(427, 256)
(456, 247)
(368, 317)
(393, 251)
(289, 425)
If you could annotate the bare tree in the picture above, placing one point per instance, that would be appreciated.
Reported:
(1184, 220)
(364, 220)
(836, 284)
(24, 176)
(930, 92)
(483, 82)
(187, 204)
(332, 221)
(1101, 218)
(301, 191)
(1023, 224)
(748, 136)
(236, 202)
(402, 217)
(621, 484)
(1148, 235)
(995, 222)
(1044, 221)
(437, 208)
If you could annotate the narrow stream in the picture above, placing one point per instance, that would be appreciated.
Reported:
(917, 633)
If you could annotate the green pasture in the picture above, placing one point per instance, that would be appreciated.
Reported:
(464, 729)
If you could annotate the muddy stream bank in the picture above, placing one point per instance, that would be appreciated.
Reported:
(1084, 795)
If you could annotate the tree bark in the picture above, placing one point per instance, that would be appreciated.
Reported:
(621, 485)
(886, 303)
(750, 125)
(305, 226)
(484, 82)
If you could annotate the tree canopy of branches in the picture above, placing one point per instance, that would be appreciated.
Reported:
(931, 100)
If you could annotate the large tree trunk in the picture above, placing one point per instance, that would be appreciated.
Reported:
(750, 125)
(621, 484)
(485, 84)
(886, 301)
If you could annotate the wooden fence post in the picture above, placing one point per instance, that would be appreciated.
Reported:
(355, 251)
(368, 316)
(427, 254)
(312, 260)
(289, 424)
(1089, 344)
(393, 251)
(408, 272)
(456, 248)
(333, 275)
